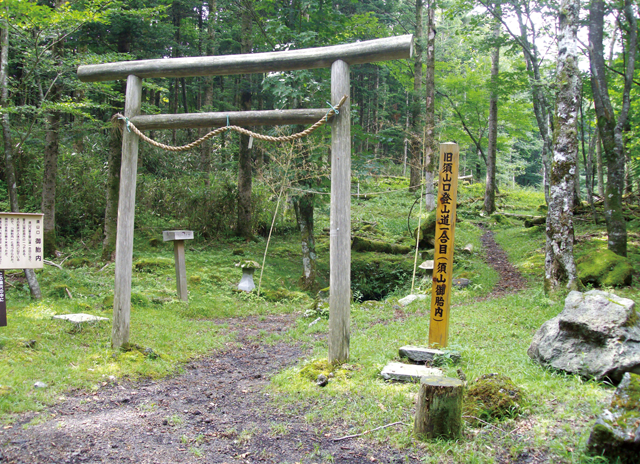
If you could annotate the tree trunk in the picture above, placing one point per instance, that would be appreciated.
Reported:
(244, 226)
(599, 164)
(113, 188)
(559, 263)
(490, 187)
(611, 130)
(10, 170)
(439, 408)
(415, 140)
(304, 207)
(430, 144)
(50, 161)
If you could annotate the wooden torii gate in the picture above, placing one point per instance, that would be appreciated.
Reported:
(339, 58)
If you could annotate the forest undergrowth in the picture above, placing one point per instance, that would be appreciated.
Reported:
(492, 331)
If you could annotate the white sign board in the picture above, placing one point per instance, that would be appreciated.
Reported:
(21, 241)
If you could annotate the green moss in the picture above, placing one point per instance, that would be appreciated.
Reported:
(604, 268)
(375, 275)
(59, 291)
(282, 294)
(491, 397)
(427, 230)
(313, 369)
(365, 244)
(140, 300)
(74, 263)
(152, 264)
(195, 279)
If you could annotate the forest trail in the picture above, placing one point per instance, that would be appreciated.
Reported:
(217, 410)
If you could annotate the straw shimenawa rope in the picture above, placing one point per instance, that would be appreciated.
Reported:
(287, 138)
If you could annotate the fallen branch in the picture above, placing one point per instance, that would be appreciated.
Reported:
(368, 431)
(51, 263)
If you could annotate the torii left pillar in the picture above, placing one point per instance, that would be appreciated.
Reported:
(126, 212)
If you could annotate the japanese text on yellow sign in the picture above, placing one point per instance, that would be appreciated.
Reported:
(443, 253)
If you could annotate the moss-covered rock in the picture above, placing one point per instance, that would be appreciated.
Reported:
(282, 294)
(491, 397)
(604, 268)
(195, 279)
(427, 231)
(365, 244)
(616, 434)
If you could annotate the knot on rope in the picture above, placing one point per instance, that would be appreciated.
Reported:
(126, 120)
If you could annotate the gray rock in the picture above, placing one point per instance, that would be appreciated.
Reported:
(407, 372)
(597, 335)
(39, 384)
(322, 380)
(461, 283)
(421, 355)
(410, 299)
(616, 433)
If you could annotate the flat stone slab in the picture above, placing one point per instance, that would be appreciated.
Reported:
(410, 299)
(80, 317)
(407, 372)
(420, 355)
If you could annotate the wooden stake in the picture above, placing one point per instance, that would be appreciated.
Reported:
(126, 211)
(181, 270)
(340, 228)
(443, 253)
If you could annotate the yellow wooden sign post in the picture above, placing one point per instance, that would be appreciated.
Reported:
(443, 253)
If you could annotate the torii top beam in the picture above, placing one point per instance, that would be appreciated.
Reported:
(390, 48)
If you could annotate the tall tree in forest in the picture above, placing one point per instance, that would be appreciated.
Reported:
(415, 135)
(51, 149)
(492, 148)
(610, 128)
(559, 263)
(525, 38)
(9, 167)
(430, 143)
(245, 164)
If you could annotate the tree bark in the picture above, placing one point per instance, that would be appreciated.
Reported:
(609, 128)
(415, 139)
(490, 185)
(304, 208)
(113, 187)
(10, 170)
(559, 263)
(431, 144)
(244, 226)
(50, 161)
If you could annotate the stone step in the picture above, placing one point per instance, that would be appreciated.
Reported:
(80, 317)
(407, 372)
(419, 354)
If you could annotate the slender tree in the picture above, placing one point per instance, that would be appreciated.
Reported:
(415, 136)
(610, 128)
(490, 187)
(9, 167)
(559, 263)
(430, 143)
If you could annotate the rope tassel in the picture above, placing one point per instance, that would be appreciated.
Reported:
(287, 138)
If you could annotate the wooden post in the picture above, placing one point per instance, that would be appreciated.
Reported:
(3, 302)
(178, 237)
(443, 253)
(439, 408)
(340, 228)
(126, 211)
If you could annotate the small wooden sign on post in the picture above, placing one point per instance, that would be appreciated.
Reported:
(20, 248)
(443, 253)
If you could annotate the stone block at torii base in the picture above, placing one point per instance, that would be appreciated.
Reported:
(80, 317)
(407, 372)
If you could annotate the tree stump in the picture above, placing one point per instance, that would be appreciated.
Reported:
(439, 408)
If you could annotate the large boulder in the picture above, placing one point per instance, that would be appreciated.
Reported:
(597, 335)
(604, 268)
(616, 433)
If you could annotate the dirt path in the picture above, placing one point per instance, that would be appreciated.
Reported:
(510, 278)
(216, 411)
